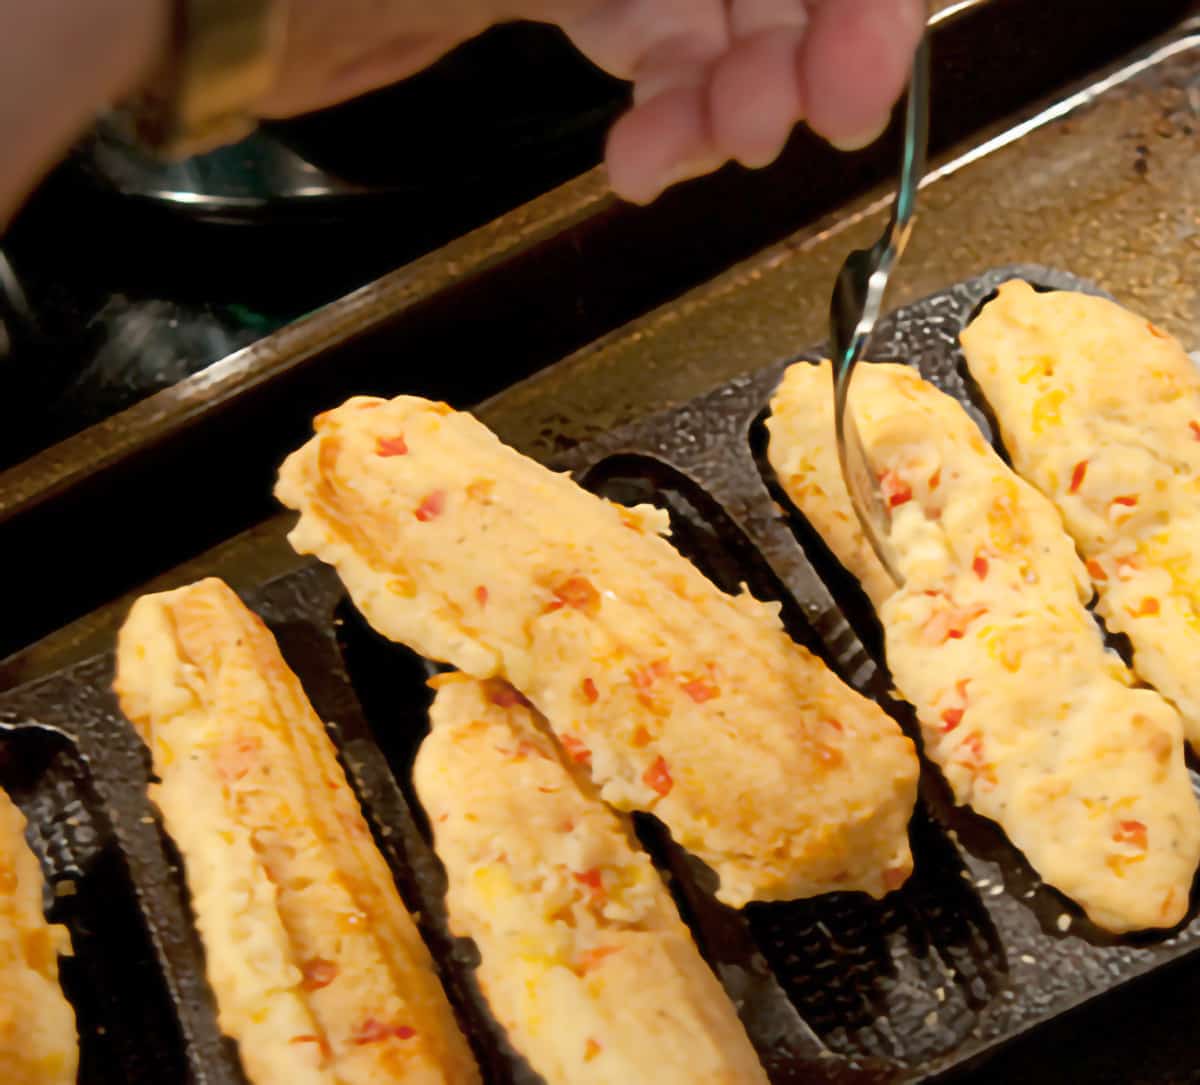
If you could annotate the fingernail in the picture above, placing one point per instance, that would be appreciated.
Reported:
(691, 169)
(862, 139)
(688, 170)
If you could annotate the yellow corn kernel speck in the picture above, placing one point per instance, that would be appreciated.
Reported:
(1004, 654)
(493, 884)
(1179, 570)
(1042, 366)
(1119, 864)
(403, 585)
(1002, 526)
(1047, 411)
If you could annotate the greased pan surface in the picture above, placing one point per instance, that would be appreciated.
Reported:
(970, 953)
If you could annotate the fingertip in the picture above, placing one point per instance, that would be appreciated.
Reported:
(659, 143)
(755, 97)
(854, 64)
(862, 138)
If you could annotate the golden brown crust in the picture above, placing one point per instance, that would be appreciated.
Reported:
(680, 699)
(1100, 410)
(38, 1043)
(319, 971)
(1032, 721)
(584, 957)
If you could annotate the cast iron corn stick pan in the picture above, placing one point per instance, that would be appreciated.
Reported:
(970, 953)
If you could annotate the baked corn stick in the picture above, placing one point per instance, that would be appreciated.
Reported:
(679, 699)
(318, 970)
(585, 960)
(38, 1042)
(1100, 410)
(1032, 720)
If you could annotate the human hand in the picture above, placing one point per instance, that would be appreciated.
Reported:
(714, 80)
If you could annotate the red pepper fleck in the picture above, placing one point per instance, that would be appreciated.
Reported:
(308, 1038)
(658, 778)
(237, 759)
(645, 677)
(391, 446)
(318, 973)
(481, 595)
(591, 958)
(576, 750)
(1127, 563)
(641, 737)
(503, 695)
(895, 490)
(591, 878)
(949, 622)
(1077, 476)
(577, 593)
(935, 480)
(1132, 832)
(431, 507)
(1156, 331)
(1128, 501)
(960, 631)
(980, 565)
(973, 744)
(648, 702)
(1195, 428)
(951, 718)
(1148, 607)
(525, 748)
(700, 691)
(594, 882)
(372, 1031)
(1096, 570)
(590, 693)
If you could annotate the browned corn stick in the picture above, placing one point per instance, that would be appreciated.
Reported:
(1100, 410)
(319, 972)
(681, 700)
(585, 959)
(1031, 719)
(38, 1043)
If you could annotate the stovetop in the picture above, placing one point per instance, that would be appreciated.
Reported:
(117, 295)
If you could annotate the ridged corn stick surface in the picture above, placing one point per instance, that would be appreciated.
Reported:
(38, 1041)
(1031, 719)
(679, 699)
(584, 957)
(1100, 410)
(319, 972)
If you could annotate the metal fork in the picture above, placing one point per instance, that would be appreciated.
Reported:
(857, 299)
